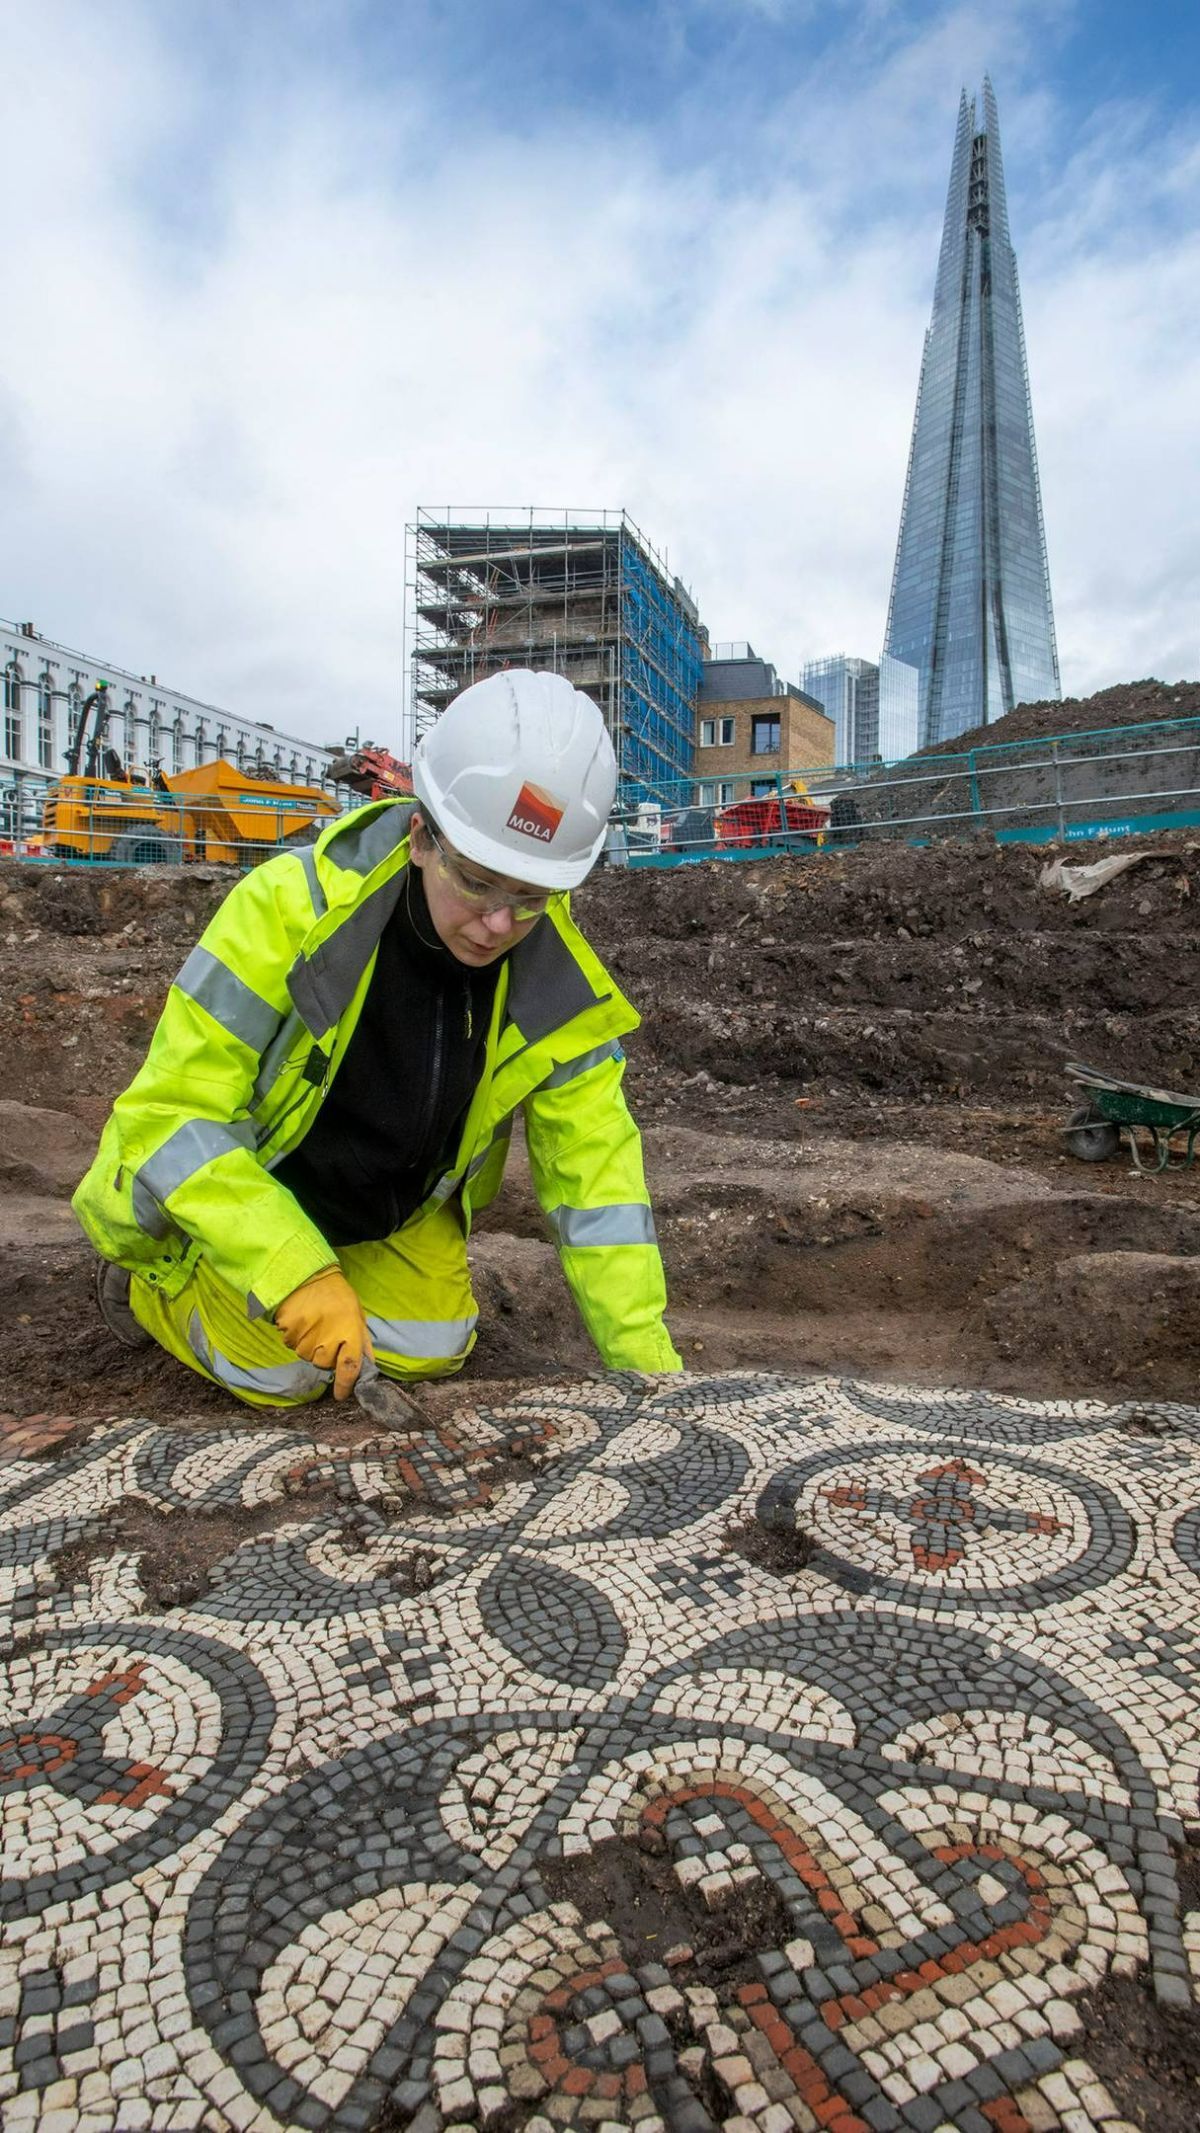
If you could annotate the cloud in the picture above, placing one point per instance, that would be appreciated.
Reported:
(271, 297)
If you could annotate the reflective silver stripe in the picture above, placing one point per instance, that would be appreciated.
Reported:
(429, 1339)
(586, 1060)
(307, 855)
(322, 985)
(546, 985)
(276, 1056)
(201, 1141)
(146, 1211)
(628, 1224)
(451, 1181)
(503, 1132)
(289, 1381)
(234, 1004)
(362, 845)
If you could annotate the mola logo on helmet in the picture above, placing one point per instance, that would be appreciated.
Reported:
(536, 813)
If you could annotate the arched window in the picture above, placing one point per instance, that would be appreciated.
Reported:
(177, 742)
(13, 678)
(294, 767)
(198, 744)
(241, 751)
(278, 760)
(129, 752)
(154, 738)
(222, 741)
(45, 715)
(74, 711)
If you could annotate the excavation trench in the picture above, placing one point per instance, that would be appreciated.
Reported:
(849, 1078)
(875, 1259)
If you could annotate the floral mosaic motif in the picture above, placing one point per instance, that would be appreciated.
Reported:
(945, 1512)
(66, 1747)
(1007, 1533)
(745, 1753)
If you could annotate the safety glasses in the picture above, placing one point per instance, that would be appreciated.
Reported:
(484, 896)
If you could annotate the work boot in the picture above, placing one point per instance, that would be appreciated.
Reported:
(112, 1296)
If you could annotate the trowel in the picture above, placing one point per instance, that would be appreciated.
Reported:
(384, 1401)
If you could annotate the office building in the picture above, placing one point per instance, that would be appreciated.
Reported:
(970, 605)
(873, 708)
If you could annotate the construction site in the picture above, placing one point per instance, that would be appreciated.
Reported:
(578, 594)
(808, 1741)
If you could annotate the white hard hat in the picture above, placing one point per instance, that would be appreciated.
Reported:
(519, 773)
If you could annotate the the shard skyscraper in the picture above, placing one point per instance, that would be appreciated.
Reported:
(970, 605)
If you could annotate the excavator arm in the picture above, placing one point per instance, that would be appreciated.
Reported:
(89, 729)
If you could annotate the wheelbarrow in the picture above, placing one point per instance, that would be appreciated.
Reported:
(1093, 1132)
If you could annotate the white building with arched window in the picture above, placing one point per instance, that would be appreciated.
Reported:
(45, 686)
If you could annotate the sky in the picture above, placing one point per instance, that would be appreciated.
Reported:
(279, 272)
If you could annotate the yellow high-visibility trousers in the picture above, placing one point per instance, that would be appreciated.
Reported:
(414, 1287)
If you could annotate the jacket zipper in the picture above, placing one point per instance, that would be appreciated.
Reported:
(433, 1096)
(267, 1133)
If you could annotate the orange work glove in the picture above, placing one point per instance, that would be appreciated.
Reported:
(323, 1321)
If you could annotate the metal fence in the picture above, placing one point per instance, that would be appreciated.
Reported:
(1060, 786)
(22, 796)
(1109, 782)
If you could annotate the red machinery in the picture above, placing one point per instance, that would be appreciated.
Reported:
(374, 773)
(767, 820)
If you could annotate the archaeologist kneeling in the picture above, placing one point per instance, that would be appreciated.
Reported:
(287, 1185)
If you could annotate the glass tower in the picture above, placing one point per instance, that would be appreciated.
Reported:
(873, 708)
(970, 605)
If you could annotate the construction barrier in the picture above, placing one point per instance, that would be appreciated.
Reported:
(1076, 786)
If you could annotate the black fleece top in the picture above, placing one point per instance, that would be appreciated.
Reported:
(391, 1122)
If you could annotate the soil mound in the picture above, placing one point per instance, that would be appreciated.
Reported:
(894, 972)
(1006, 776)
(1131, 1316)
(41, 1151)
(1127, 703)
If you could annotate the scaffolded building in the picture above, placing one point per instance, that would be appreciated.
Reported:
(584, 595)
(970, 605)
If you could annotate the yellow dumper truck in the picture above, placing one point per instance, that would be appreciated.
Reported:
(214, 812)
(103, 810)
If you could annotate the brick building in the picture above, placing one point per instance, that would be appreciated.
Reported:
(751, 726)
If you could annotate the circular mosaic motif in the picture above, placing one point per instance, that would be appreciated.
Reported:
(127, 1742)
(982, 1530)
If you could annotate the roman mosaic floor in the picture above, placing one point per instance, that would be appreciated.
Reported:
(744, 1753)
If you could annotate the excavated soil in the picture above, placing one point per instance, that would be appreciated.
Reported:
(630, 1884)
(1148, 2057)
(1127, 703)
(850, 1081)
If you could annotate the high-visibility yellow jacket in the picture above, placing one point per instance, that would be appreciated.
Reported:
(252, 1033)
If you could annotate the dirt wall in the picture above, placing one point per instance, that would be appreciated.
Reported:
(887, 970)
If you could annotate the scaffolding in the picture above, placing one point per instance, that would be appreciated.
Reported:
(581, 594)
